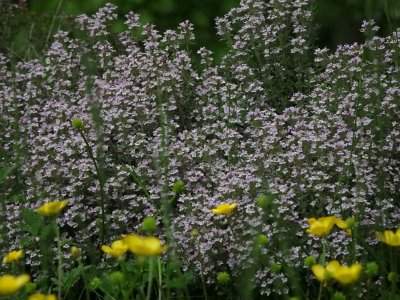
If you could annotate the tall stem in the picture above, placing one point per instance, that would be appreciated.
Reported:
(320, 290)
(85, 281)
(59, 267)
(322, 260)
(150, 283)
(201, 269)
(100, 178)
(159, 278)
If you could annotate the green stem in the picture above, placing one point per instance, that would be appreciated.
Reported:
(85, 282)
(353, 246)
(53, 22)
(159, 279)
(201, 269)
(101, 185)
(320, 290)
(150, 283)
(322, 260)
(59, 267)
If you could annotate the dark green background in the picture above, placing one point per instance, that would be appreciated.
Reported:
(24, 31)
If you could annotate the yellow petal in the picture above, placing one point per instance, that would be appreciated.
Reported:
(319, 272)
(341, 224)
(144, 246)
(311, 221)
(321, 226)
(224, 209)
(106, 249)
(118, 248)
(13, 256)
(51, 208)
(40, 296)
(11, 284)
(347, 275)
(332, 266)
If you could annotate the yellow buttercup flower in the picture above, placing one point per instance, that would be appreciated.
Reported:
(321, 226)
(40, 296)
(324, 273)
(118, 248)
(13, 256)
(224, 209)
(51, 208)
(345, 274)
(11, 284)
(144, 246)
(342, 274)
(389, 237)
(319, 272)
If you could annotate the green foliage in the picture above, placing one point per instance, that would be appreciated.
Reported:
(25, 31)
(340, 20)
(31, 222)
(4, 172)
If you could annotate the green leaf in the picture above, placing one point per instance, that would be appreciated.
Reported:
(31, 222)
(4, 172)
(46, 232)
(180, 282)
(70, 278)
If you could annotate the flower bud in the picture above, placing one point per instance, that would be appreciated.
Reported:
(75, 251)
(195, 233)
(30, 287)
(178, 186)
(262, 239)
(117, 277)
(223, 277)
(77, 123)
(338, 296)
(95, 283)
(149, 225)
(392, 277)
(265, 201)
(372, 269)
(351, 223)
(309, 261)
(275, 267)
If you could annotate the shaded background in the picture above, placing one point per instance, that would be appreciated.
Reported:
(25, 24)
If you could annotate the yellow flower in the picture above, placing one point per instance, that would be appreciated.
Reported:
(11, 284)
(144, 246)
(40, 296)
(13, 256)
(319, 272)
(345, 274)
(321, 226)
(118, 248)
(75, 251)
(51, 208)
(342, 274)
(224, 209)
(389, 237)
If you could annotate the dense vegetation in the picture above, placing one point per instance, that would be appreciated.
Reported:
(133, 166)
